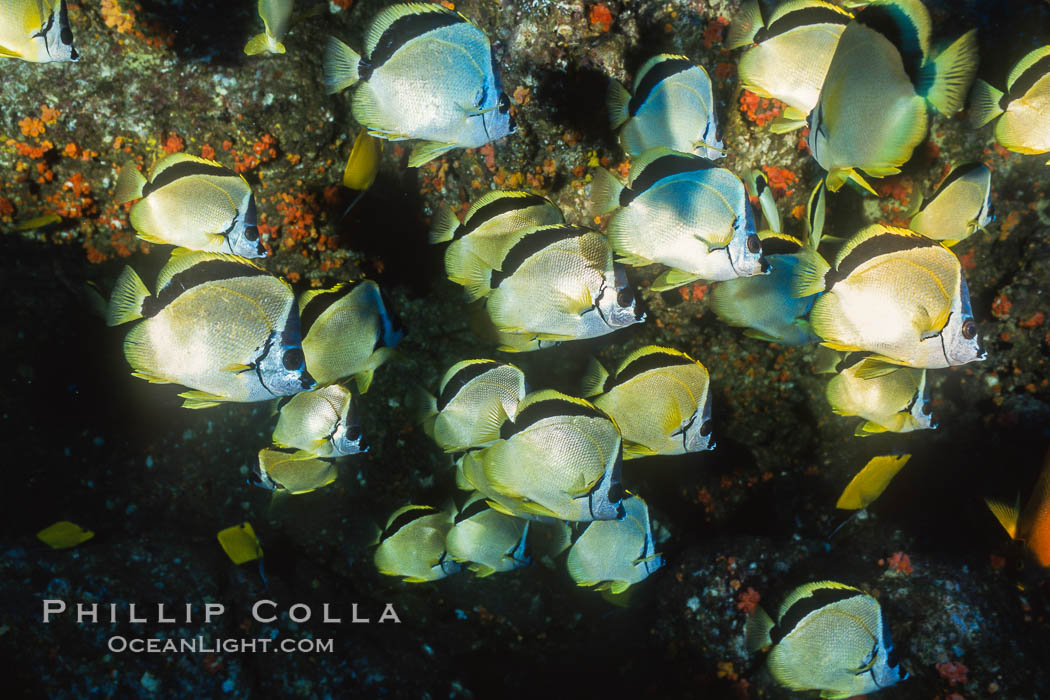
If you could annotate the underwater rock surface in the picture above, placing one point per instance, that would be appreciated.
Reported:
(969, 611)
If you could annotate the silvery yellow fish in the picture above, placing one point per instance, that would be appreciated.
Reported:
(557, 282)
(426, 73)
(788, 56)
(36, 30)
(217, 324)
(827, 637)
(872, 110)
(487, 231)
(681, 211)
(1024, 110)
(898, 401)
(660, 399)
(615, 554)
(474, 400)
(293, 471)
(323, 422)
(559, 458)
(487, 541)
(763, 303)
(961, 205)
(412, 545)
(276, 16)
(672, 106)
(193, 203)
(347, 332)
(894, 293)
(869, 483)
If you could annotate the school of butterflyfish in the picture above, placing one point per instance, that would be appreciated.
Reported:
(539, 470)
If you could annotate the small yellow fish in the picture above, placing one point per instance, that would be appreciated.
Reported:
(1033, 523)
(240, 543)
(897, 401)
(63, 535)
(869, 483)
(293, 472)
(363, 164)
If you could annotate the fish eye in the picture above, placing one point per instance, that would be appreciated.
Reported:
(969, 329)
(625, 297)
(754, 245)
(353, 433)
(293, 359)
(251, 233)
(705, 429)
(504, 103)
(926, 408)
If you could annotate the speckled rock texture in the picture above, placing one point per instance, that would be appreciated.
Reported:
(739, 526)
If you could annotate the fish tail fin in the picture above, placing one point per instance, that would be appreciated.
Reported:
(257, 44)
(808, 277)
(423, 407)
(617, 100)
(126, 303)
(472, 272)
(984, 100)
(444, 225)
(1006, 513)
(340, 66)
(745, 25)
(593, 379)
(945, 80)
(757, 629)
(669, 279)
(605, 192)
(129, 184)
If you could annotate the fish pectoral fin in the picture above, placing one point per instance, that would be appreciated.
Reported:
(618, 587)
(533, 508)
(426, 151)
(632, 259)
(481, 571)
(581, 488)
(237, 368)
(500, 508)
(841, 347)
(873, 367)
(673, 278)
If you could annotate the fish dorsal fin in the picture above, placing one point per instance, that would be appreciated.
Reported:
(906, 25)
(1027, 71)
(652, 73)
(313, 306)
(179, 165)
(403, 516)
(810, 597)
(874, 240)
(746, 23)
(774, 243)
(196, 267)
(648, 358)
(802, 13)
(459, 375)
(531, 241)
(496, 203)
(310, 294)
(958, 172)
(658, 163)
(546, 404)
(396, 25)
(1007, 514)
